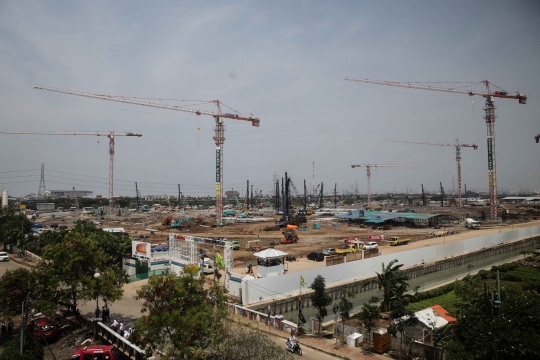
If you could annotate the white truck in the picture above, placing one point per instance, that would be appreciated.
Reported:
(207, 266)
(472, 224)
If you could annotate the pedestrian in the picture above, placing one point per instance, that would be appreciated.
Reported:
(103, 315)
(10, 327)
(380, 253)
(126, 334)
(97, 312)
(108, 313)
(121, 329)
(4, 334)
(115, 325)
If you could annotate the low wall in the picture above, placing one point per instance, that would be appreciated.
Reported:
(417, 273)
(284, 286)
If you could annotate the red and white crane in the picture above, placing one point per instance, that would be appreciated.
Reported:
(219, 130)
(458, 147)
(368, 170)
(489, 117)
(110, 134)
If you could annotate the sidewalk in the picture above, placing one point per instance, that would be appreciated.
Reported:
(322, 345)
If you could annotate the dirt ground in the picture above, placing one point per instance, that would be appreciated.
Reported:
(331, 234)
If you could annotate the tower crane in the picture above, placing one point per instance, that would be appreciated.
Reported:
(219, 130)
(489, 117)
(458, 147)
(110, 134)
(368, 171)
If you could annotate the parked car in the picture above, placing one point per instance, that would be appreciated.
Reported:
(316, 256)
(370, 245)
(4, 256)
(101, 352)
(42, 328)
(329, 251)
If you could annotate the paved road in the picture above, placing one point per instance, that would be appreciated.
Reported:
(307, 353)
(8, 265)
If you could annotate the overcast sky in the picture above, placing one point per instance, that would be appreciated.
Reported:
(284, 62)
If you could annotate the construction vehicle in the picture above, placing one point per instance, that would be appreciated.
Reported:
(228, 213)
(145, 208)
(253, 245)
(347, 248)
(396, 241)
(167, 221)
(289, 236)
(235, 244)
(472, 224)
(178, 223)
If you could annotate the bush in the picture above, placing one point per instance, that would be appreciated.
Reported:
(431, 293)
(484, 274)
(505, 267)
(32, 349)
(510, 277)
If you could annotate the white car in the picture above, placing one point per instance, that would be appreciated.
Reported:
(4, 256)
(370, 245)
(329, 251)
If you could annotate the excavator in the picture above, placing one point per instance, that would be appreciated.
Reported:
(167, 221)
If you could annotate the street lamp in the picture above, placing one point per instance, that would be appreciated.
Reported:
(97, 276)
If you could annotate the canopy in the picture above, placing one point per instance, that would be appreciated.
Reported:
(270, 254)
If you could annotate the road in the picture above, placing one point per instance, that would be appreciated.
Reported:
(127, 310)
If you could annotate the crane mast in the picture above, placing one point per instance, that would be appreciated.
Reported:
(489, 110)
(219, 130)
(368, 172)
(109, 134)
(458, 147)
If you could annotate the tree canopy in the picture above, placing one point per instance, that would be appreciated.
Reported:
(392, 281)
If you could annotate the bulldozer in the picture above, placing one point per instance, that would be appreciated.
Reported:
(289, 236)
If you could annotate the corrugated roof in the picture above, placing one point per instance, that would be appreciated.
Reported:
(443, 313)
(430, 319)
(382, 216)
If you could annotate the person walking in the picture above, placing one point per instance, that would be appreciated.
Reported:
(97, 312)
(10, 326)
(4, 333)
(103, 315)
(108, 311)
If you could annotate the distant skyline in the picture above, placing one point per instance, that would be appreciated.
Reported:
(281, 61)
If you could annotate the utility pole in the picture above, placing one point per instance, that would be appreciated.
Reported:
(179, 198)
(466, 198)
(247, 195)
(138, 204)
(423, 196)
(335, 188)
(251, 197)
(305, 198)
(442, 195)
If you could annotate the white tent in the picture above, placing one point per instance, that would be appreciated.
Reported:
(270, 254)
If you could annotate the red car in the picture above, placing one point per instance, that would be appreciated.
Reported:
(95, 353)
(42, 328)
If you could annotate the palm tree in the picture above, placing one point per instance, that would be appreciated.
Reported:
(392, 281)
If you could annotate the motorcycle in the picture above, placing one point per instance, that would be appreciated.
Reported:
(294, 348)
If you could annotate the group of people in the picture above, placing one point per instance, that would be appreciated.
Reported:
(104, 312)
(119, 328)
(7, 330)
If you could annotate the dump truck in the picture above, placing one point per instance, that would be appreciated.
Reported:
(347, 248)
(396, 241)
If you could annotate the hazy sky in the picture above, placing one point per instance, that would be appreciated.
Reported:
(283, 61)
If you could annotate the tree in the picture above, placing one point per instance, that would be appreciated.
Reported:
(484, 329)
(403, 318)
(181, 316)
(113, 245)
(345, 306)
(73, 262)
(320, 299)
(13, 227)
(369, 315)
(33, 350)
(392, 281)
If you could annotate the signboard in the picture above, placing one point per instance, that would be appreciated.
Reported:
(490, 153)
(376, 237)
(99, 196)
(140, 250)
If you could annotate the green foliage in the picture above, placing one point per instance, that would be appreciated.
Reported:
(419, 296)
(369, 315)
(392, 281)
(505, 267)
(513, 330)
(345, 305)
(32, 349)
(13, 228)
(181, 316)
(406, 319)
(526, 273)
(449, 302)
(484, 274)
(73, 263)
(320, 299)
(113, 245)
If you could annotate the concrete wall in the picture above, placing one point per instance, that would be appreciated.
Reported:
(284, 286)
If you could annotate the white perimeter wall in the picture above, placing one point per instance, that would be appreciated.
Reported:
(254, 291)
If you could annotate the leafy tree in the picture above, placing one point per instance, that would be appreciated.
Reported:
(512, 330)
(320, 299)
(405, 318)
(13, 227)
(392, 281)
(246, 342)
(73, 262)
(181, 316)
(33, 350)
(113, 245)
(345, 306)
(369, 315)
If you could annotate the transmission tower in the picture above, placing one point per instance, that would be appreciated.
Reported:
(41, 189)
